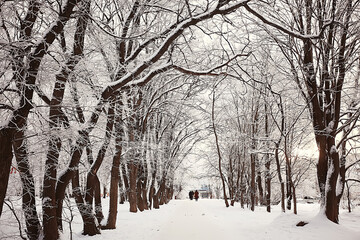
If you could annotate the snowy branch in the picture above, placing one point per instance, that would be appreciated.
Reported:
(285, 30)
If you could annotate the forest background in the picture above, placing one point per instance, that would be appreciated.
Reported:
(114, 96)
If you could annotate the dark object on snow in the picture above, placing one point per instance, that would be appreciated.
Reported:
(301, 224)
(191, 195)
(196, 195)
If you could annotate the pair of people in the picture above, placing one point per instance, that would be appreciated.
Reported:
(193, 195)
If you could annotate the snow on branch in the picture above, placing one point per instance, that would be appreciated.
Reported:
(171, 37)
(285, 30)
(209, 72)
(142, 81)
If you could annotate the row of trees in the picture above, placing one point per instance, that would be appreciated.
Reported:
(322, 64)
(260, 140)
(89, 84)
(76, 79)
(314, 49)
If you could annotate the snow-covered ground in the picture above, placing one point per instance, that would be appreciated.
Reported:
(210, 219)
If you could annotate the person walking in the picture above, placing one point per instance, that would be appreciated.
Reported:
(196, 195)
(191, 195)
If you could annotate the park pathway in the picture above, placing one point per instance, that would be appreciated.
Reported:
(193, 220)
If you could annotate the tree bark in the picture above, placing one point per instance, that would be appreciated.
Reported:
(90, 226)
(267, 162)
(133, 169)
(98, 206)
(113, 202)
(6, 155)
(218, 150)
(28, 198)
(158, 196)
(267, 183)
(140, 201)
(278, 168)
(289, 187)
(253, 154)
(123, 166)
(49, 200)
(93, 183)
(115, 171)
(252, 182)
(122, 191)
(259, 183)
(294, 198)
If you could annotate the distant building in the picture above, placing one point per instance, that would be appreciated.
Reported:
(205, 191)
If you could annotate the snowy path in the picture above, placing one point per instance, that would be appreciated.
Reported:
(210, 220)
(190, 220)
(193, 220)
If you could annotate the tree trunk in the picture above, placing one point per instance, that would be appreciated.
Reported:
(238, 176)
(156, 202)
(253, 155)
(289, 194)
(151, 195)
(133, 169)
(145, 199)
(252, 182)
(153, 179)
(267, 162)
(348, 197)
(141, 189)
(28, 198)
(218, 150)
(242, 190)
(140, 201)
(6, 155)
(67, 176)
(93, 183)
(231, 186)
(122, 191)
(332, 205)
(144, 185)
(162, 194)
(115, 172)
(49, 200)
(267, 183)
(157, 197)
(113, 202)
(282, 186)
(243, 181)
(294, 198)
(57, 119)
(259, 184)
(97, 197)
(123, 166)
(90, 226)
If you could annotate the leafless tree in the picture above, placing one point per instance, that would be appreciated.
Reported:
(319, 42)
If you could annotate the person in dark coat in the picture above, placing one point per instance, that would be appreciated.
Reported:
(191, 195)
(196, 195)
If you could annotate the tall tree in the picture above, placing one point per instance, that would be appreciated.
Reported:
(321, 68)
(57, 120)
(25, 70)
(218, 150)
(146, 67)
